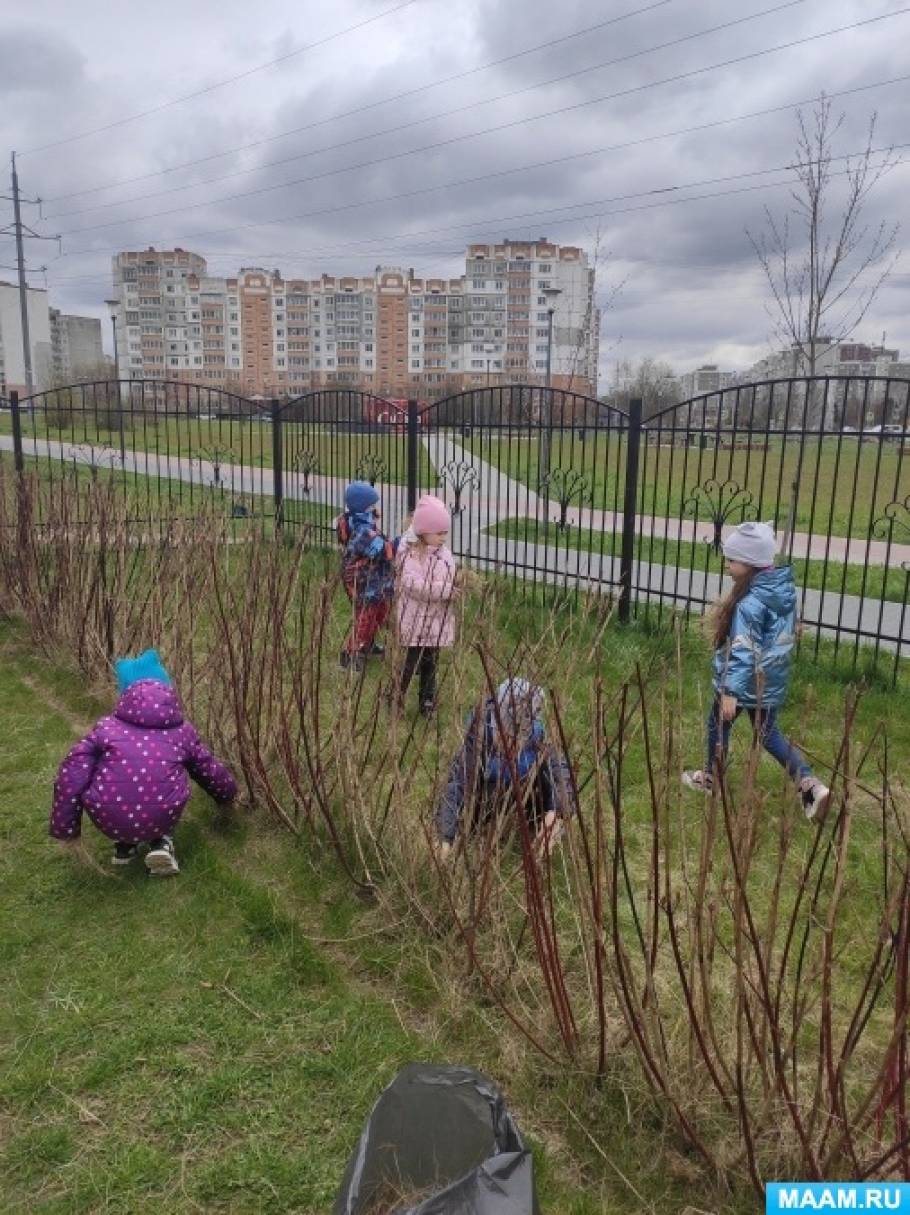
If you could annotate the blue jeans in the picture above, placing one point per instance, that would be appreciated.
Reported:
(764, 724)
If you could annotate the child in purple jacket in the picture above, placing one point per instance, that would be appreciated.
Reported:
(130, 772)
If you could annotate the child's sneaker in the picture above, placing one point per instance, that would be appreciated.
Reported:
(124, 853)
(698, 781)
(376, 650)
(428, 709)
(815, 797)
(161, 860)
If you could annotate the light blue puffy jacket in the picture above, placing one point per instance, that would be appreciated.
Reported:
(754, 663)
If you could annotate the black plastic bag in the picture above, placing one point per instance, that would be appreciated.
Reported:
(444, 1135)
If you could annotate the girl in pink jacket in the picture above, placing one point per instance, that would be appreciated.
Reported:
(426, 585)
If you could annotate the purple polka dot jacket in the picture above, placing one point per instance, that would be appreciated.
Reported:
(131, 773)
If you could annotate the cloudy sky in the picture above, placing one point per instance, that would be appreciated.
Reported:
(332, 138)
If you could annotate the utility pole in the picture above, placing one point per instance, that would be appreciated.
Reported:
(23, 232)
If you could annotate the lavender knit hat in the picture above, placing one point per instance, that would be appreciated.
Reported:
(752, 544)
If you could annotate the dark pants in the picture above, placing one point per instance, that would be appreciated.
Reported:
(423, 660)
(764, 725)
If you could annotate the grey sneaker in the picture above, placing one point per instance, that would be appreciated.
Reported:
(815, 797)
(698, 781)
(161, 859)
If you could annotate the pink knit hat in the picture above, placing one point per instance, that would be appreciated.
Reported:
(430, 515)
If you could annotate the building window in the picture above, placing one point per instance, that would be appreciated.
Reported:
(415, 333)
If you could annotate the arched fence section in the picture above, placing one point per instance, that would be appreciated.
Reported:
(826, 460)
(545, 486)
(534, 479)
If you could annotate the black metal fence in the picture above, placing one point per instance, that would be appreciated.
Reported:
(545, 486)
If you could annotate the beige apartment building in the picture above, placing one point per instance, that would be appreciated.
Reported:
(389, 333)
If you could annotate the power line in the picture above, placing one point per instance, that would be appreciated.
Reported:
(348, 244)
(220, 84)
(333, 147)
(527, 215)
(472, 135)
(433, 84)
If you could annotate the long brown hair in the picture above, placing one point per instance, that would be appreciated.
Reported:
(720, 616)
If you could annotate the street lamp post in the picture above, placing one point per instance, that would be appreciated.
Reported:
(489, 350)
(113, 305)
(552, 294)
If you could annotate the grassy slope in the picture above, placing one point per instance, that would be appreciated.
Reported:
(179, 1043)
(249, 1112)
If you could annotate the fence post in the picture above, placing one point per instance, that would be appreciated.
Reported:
(18, 457)
(413, 424)
(630, 501)
(277, 464)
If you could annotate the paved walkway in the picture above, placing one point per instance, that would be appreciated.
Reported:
(495, 497)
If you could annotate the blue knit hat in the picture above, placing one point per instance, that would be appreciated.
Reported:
(359, 497)
(146, 666)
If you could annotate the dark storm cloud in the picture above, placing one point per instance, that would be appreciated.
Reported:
(692, 289)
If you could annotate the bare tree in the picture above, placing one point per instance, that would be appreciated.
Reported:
(818, 257)
(654, 382)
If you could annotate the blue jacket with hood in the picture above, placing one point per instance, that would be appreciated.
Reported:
(753, 664)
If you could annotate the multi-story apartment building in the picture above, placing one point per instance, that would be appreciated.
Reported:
(158, 326)
(12, 358)
(76, 349)
(522, 309)
(707, 378)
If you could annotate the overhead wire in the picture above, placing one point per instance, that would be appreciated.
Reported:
(600, 215)
(475, 134)
(319, 122)
(220, 84)
(338, 144)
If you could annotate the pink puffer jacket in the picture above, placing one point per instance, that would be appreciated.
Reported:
(426, 587)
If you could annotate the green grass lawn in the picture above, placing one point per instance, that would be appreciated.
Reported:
(318, 448)
(873, 582)
(182, 1043)
(843, 485)
(156, 498)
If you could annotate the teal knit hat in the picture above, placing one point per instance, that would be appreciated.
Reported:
(146, 666)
